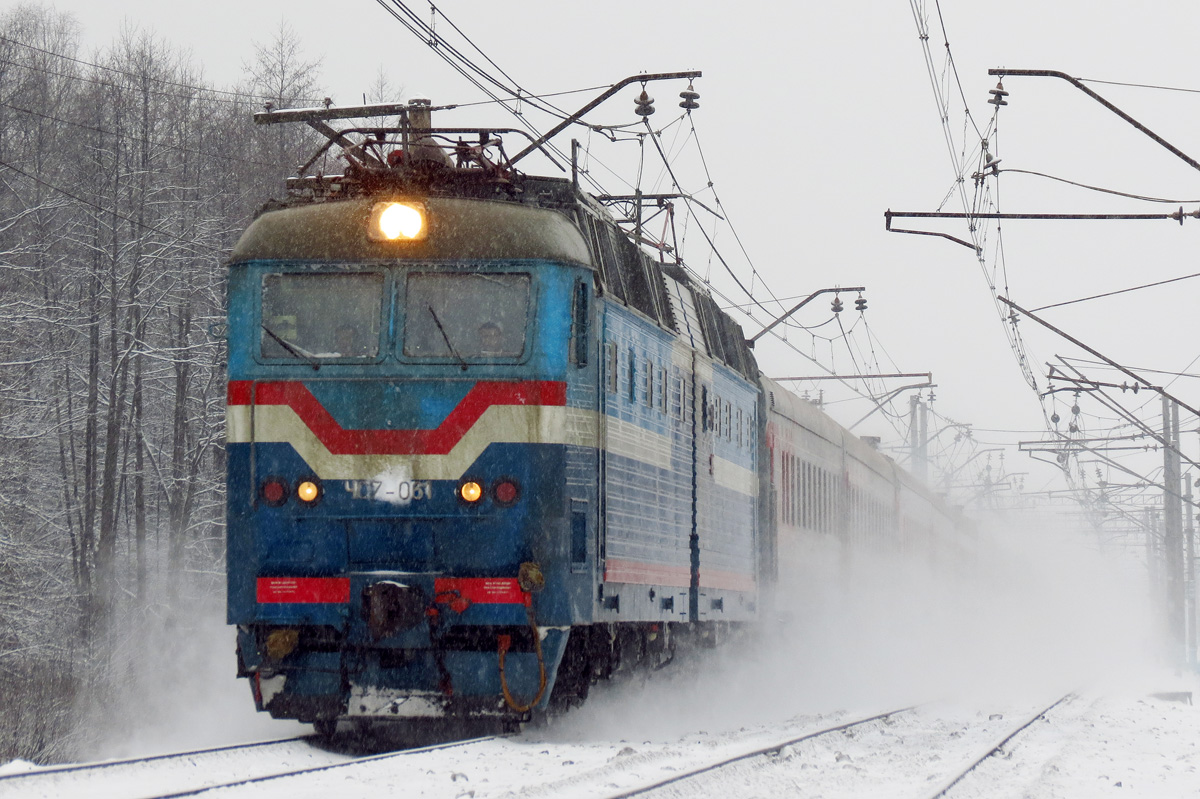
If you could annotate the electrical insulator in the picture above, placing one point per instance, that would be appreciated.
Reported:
(836, 305)
(1054, 418)
(1072, 427)
(689, 96)
(860, 304)
(1075, 410)
(644, 103)
(998, 94)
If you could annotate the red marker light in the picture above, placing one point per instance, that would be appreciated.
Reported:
(506, 492)
(274, 491)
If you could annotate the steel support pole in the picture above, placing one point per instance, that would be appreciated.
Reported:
(1173, 530)
(1189, 571)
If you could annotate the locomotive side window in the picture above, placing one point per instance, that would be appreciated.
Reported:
(307, 316)
(632, 375)
(579, 325)
(614, 368)
(459, 316)
(648, 384)
(676, 394)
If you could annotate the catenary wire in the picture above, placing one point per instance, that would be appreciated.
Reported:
(109, 211)
(1098, 188)
(132, 138)
(235, 97)
(1139, 85)
(1118, 291)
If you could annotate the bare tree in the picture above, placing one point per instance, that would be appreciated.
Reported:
(123, 187)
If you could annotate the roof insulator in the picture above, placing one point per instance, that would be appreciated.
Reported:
(644, 103)
(689, 97)
(998, 94)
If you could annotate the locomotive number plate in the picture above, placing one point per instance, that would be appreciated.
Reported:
(387, 491)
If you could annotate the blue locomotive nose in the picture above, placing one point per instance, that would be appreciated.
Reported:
(451, 480)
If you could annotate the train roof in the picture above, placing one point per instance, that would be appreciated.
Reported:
(457, 229)
(783, 402)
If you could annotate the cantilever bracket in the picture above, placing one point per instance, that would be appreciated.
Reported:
(1078, 84)
(616, 87)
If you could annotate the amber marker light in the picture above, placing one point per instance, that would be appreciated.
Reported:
(308, 491)
(396, 221)
(470, 491)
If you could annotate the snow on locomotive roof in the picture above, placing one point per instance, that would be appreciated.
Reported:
(458, 229)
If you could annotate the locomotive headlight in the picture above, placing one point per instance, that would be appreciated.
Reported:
(308, 491)
(396, 221)
(470, 491)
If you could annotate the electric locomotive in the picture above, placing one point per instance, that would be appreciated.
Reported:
(483, 449)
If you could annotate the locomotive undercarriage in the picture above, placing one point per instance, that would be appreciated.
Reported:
(324, 679)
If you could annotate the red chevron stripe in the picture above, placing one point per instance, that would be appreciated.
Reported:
(438, 441)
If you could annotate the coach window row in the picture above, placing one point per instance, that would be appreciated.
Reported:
(869, 517)
(807, 494)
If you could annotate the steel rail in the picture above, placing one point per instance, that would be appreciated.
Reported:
(327, 767)
(212, 786)
(102, 764)
(996, 747)
(774, 748)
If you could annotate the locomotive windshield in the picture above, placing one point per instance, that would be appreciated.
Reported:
(465, 315)
(309, 316)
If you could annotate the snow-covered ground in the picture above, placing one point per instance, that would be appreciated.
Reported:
(1112, 744)
(1033, 619)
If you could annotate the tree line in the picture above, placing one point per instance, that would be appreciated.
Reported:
(125, 180)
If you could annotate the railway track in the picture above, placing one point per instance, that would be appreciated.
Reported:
(182, 774)
(773, 748)
(946, 750)
(997, 747)
(923, 751)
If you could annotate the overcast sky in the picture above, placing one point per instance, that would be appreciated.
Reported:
(816, 119)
